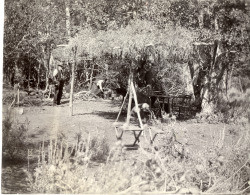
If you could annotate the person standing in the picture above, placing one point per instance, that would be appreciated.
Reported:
(59, 83)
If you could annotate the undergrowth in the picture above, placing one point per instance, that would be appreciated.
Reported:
(235, 108)
(14, 138)
(90, 166)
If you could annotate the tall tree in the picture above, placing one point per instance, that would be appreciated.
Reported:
(33, 27)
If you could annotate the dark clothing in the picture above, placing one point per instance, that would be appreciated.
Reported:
(149, 77)
(121, 91)
(58, 81)
(58, 92)
(144, 110)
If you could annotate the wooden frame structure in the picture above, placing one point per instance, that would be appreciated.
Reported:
(179, 105)
(137, 130)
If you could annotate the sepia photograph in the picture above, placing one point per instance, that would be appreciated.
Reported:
(125, 97)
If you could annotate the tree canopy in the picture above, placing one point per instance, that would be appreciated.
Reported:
(210, 37)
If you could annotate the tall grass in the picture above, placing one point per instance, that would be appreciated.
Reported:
(14, 137)
(90, 166)
(64, 169)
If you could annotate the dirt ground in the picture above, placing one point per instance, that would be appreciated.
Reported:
(46, 122)
(97, 118)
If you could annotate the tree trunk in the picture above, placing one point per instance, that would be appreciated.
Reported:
(215, 78)
(67, 18)
(230, 77)
(201, 18)
(46, 74)
(85, 63)
(187, 78)
(29, 76)
(216, 25)
(72, 82)
(38, 76)
(91, 76)
(199, 90)
(208, 76)
(46, 65)
(16, 71)
(198, 82)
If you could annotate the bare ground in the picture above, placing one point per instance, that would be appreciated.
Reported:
(97, 118)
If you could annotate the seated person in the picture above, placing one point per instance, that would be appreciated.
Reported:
(144, 110)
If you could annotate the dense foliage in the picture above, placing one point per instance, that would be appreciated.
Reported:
(208, 38)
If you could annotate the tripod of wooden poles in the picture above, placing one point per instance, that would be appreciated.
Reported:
(137, 131)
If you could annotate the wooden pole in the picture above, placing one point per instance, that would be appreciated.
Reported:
(18, 96)
(91, 76)
(130, 80)
(72, 82)
(136, 105)
(121, 107)
(29, 75)
(38, 76)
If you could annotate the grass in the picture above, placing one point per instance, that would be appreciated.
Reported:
(15, 138)
(90, 166)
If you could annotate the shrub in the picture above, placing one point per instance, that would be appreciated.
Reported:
(8, 98)
(62, 169)
(217, 169)
(235, 107)
(14, 138)
(100, 149)
(230, 166)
